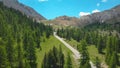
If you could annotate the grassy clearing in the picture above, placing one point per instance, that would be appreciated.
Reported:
(48, 44)
(93, 52)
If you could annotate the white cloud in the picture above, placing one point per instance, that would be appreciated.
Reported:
(84, 13)
(98, 4)
(88, 13)
(42, 0)
(95, 11)
(104, 0)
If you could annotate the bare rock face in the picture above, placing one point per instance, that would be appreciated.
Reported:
(24, 9)
(65, 21)
(108, 16)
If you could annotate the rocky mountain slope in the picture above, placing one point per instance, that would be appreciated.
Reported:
(24, 9)
(108, 16)
(63, 21)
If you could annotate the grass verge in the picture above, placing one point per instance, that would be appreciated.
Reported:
(48, 44)
(92, 50)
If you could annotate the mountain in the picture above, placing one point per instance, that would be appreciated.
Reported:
(63, 21)
(107, 16)
(23, 8)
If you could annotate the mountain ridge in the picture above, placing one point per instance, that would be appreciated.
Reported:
(28, 11)
(108, 16)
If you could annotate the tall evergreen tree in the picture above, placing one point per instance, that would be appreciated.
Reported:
(3, 58)
(113, 61)
(31, 54)
(54, 59)
(45, 62)
(108, 50)
(98, 64)
(69, 61)
(61, 58)
(21, 37)
(10, 52)
(20, 54)
(100, 44)
(84, 62)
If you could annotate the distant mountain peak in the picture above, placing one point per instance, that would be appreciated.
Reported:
(108, 16)
(30, 12)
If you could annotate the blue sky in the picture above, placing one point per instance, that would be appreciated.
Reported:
(51, 9)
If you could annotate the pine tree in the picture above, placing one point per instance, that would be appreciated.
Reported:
(3, 58)
(98, 64)
(100, 44)
(113, 61)
(31, 55)
(10, 52)
(20, 54)
(27, 65)
(61, 58)
(108, 50)
(87, 65)
(54, 59)
(111, 54)
(69, 61)
(84, 56)
(45, 62)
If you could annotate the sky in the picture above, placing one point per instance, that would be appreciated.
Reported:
(51, 9)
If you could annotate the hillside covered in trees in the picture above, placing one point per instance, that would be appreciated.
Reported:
(105, 37)
(19, 39)
(25, 43)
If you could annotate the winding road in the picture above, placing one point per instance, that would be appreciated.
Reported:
(75, 52)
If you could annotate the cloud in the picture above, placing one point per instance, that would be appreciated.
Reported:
(104, 0)
(95, 11)
(98, 4)
(84, 13)
(88, 13)
(42, 0)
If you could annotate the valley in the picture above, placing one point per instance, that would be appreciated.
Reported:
(29, 40)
